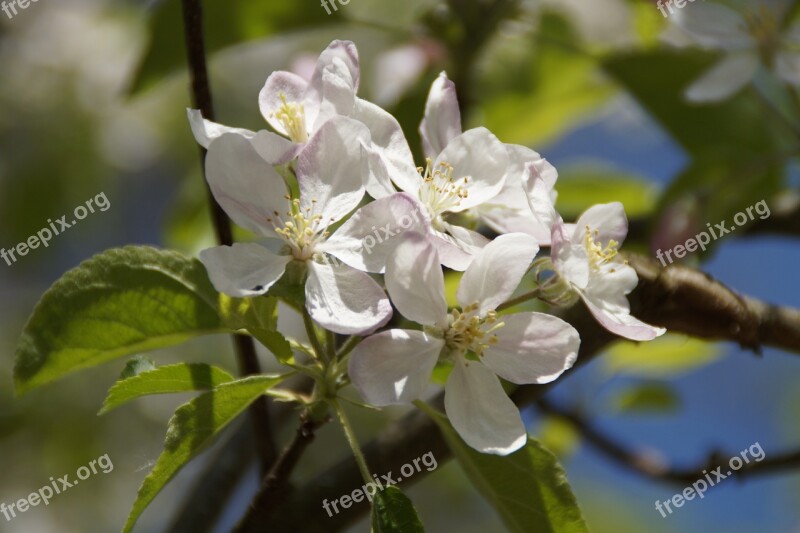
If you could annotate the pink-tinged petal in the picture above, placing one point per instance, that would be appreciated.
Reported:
(394, 366)
(482, 159)
(714, 26)
(456, 252)
(532, 348)
(539, 197)
(338, 93)
(605, 296)
(346, 52)
(480, 410)
(378, 181)
(496, 271)
(330, 168)
(205, 131)
(369, 237)
(521, 157)
(442, 121)
(724, 79)
(415, 281)
(608, 220)
(345, 300)
(390, 143)
(279, 86)
(275, 150)
(570, 259)
(247, 187)
(244, 269)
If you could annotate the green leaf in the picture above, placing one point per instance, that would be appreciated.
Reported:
(193, 427)
(274, 342)
(227, 23)
(136, 366)
(119, 303)
(393, 512)
(181, 377)
(581, 187)
(647, 398)
(558, 436)
(528, 488)
(666, 356)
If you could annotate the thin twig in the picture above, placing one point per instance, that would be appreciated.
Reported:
(201, 94)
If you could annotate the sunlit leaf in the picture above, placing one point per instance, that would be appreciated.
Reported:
(667, 356)
(393, 512)
(647, 398)
(121, 302)
(581, 187)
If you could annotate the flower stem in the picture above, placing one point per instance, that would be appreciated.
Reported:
(348, 346)
(351, 440)
(312, 334)
(518, 300)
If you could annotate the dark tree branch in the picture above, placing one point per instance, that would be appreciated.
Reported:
(678, 298)
(649, 465)
(201, 94)
(275, 487)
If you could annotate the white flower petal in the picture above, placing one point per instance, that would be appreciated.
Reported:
(394, 366)
(378, 181)
(608, 220)
(481, 158)
(724, 79)
(244, 269)
(442, 121)
(346, 52)
(481, 412)
(570, 259)
(496, 271)
(714, 26)
(456, 252)
(415, 281)
(532, 348)
(605, 296)
(282, 85)
(540, 198)
(206, 131)
(329, 169)
(275, 150)
(391, 144)
(338, 93)
(247, 187)
(345, 300)
(368, 237)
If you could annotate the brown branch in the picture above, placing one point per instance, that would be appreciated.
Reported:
(201, 94)
(650, 465)
(678, 298)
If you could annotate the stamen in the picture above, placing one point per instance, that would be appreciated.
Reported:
(440, 190)
(469, 331)
(292, 117)
(599, 256)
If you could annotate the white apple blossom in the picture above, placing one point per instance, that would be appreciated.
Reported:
(395, 366)
(338, 297)
(584, 255)
(748, 39)
(507, 211)
(297, 109)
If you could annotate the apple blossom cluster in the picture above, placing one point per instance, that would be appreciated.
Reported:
(336, 169)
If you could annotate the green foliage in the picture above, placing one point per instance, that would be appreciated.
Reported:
(667, 356)
(580, 188)
(393, 512)
(193, 427)
(227, 23)
(647, 398)
(121, 302)
(528, 488)
(538, 89)
(558, 436)
(181, 377)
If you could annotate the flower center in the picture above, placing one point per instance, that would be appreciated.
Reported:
(292, 117)
(469, 331)
(302, 231)
(599, 256)
(440, 191)
(763, 26)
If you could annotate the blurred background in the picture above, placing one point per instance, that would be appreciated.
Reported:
(93, 98)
